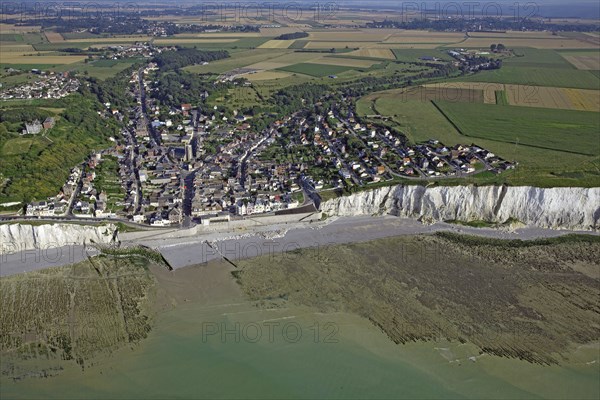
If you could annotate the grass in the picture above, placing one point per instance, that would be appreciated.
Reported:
(563, 130)
(17, 146)
(318, 70)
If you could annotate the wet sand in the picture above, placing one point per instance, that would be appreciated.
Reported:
(185, 247)
(182, 358)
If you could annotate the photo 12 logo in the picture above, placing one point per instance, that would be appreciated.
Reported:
(270, 331)
(468, 10)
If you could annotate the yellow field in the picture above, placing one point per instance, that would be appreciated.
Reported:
(489, 89)
(43, 58)
(532, 96)
(54, 37)
(375, 53)
(345, 62)
(589, 62)
(276, 44)
(267, 75)
(558, 43)
(174, 41)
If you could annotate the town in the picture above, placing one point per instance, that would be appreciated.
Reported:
(192, 164)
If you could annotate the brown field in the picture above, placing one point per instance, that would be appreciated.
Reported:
(277, 44)
(374, 53)
(589, 62)
(54, 37)
(558, 43)
(10, 28)
(7, 47)
(267, 75)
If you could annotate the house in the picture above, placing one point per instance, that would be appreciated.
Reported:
(186, 107)
(48, 123)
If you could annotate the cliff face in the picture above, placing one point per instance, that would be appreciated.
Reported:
(18, 237)
(557, 208)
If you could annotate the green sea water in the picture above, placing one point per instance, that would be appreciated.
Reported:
(240, 351)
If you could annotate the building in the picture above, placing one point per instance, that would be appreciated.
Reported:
(48, 123)
(33, 128)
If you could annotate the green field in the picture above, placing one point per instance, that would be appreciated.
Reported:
(298, 44)
(414, 55)
(237, 60)
(537, 58)
(11, 37)
(318, 70)
(563, 130)
(556, 77)
(16, 146)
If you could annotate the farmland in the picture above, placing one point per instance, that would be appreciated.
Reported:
(586, 60)
(568, 131)
(557, 77)
(568, 152)
(525, 95)
(315, 69)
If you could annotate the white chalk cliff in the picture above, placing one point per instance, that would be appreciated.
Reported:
(557, 208)
(18, 237)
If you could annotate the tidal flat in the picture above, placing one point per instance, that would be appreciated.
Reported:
(428, 316)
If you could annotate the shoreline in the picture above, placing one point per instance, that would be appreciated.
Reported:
(184, 248)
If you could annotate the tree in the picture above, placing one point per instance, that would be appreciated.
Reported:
(500, 47)
(493, 48)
